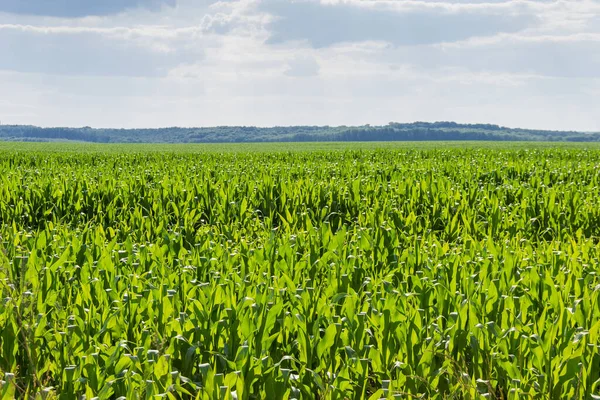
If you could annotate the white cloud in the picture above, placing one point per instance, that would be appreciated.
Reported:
(80, 50)
(302, 66)
(267, 62)
(115, 32)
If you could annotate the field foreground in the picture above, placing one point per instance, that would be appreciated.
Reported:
(339, 272)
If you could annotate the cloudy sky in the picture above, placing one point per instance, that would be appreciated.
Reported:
(151, 63)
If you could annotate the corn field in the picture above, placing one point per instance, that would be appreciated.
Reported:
(449, 273)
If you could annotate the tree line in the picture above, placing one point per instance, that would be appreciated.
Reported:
(417, 131)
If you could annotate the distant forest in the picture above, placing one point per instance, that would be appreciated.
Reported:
(417, 131)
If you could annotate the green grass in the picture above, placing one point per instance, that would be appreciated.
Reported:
(322, 270)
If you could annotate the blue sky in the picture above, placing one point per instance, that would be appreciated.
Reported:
(150, 63)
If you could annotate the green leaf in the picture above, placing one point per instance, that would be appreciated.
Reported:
(327, 340)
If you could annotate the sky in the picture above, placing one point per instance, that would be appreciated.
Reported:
(161, 63)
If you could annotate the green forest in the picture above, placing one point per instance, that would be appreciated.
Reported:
(417, 131)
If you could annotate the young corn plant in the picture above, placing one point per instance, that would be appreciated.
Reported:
(458, 273)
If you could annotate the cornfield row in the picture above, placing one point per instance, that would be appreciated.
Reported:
(401, 273)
